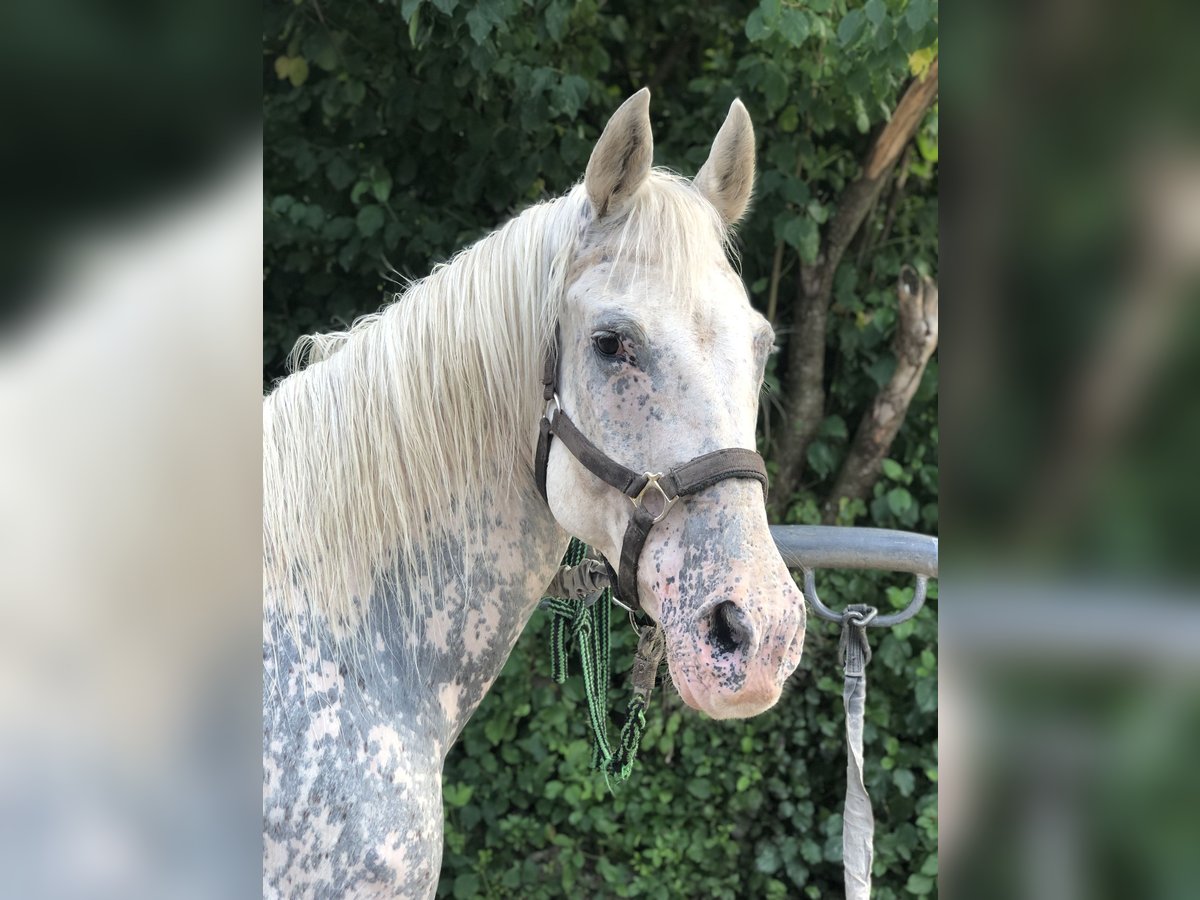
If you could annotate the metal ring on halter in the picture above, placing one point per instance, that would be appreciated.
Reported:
(557, 406)
(652, 482)
(630, 610)
(824, 612)
(617, 600)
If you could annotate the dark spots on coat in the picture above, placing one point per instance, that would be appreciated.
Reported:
(361, 769)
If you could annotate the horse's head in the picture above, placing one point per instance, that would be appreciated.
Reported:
(662, 359)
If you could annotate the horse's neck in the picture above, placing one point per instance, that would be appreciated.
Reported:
(424, 675)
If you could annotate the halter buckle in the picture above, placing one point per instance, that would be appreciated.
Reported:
(667, 502)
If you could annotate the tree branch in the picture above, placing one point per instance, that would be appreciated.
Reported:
(914, 342)
(803, 387)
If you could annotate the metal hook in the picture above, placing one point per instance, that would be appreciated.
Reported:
(824, 612)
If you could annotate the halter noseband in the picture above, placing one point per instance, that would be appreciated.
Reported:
(657, 489)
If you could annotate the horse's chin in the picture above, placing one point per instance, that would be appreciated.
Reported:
(719, 705)
(685, 691)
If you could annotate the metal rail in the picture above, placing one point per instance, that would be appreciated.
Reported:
(836, 547)
(809, 547)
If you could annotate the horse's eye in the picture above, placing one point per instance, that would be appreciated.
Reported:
(607, 343)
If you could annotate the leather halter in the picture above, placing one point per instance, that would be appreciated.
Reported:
(661, 490)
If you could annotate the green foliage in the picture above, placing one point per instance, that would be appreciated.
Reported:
(397, 133)
(713, 809)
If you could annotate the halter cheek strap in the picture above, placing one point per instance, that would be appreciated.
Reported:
(652, 494)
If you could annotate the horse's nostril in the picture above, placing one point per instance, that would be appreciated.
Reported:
(730, 627)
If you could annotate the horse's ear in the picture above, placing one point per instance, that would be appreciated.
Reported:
(727, 178)
(621, 161)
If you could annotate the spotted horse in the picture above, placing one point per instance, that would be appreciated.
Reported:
(416, 507)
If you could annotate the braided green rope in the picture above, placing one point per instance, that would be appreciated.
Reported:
(588, 628)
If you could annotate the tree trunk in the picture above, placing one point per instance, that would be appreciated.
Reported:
(804, 382)
(914, 342)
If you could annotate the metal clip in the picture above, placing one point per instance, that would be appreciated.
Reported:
(651, 647)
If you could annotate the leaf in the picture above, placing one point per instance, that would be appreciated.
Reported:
(293, 68)
(327, 59)
(479, 24)
(370, 220)
(928, 146)
(796, 191)
(339, 228)
(919, 885)
(768, 860)
(282, 204)
(833, 427)
(789, 120)
(904, 781)
(861, 121)
(349, 253)
(926, 694)
(803, 234)
(893, 470)
(774, 86)
(558, 16)
(793, 230)
(571, 94)
(408, 9)
(881, 370)
(851, 26)
(340, 173)
(876, 10)
(495, 728)
(794, 26)
(821, 458)
(917, 14)
(919, 61)
(756, 26)
(457, 795)
(414, 24)
(466, 886)
(899, 500)
(381, 186)
(810, 242)
(446, 7)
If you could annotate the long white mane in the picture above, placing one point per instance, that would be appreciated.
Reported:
(379, 454)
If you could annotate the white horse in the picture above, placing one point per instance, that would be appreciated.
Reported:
(406, 543)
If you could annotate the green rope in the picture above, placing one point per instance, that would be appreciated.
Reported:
(588, 628)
